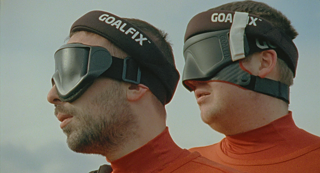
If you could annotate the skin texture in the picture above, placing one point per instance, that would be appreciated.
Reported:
(111, 118)
(94, 120)
(230, 109)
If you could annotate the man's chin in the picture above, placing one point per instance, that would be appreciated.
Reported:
(78, 147)
(79, 143)
(85, 149)
(208, 118)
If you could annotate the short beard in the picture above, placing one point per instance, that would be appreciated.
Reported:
(102, 126)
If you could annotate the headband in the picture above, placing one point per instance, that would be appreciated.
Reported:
(212, 20)
(139, 46)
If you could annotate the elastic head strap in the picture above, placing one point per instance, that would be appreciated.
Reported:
(236, 37)
(258, 27)
(134, 42)
(235, 75)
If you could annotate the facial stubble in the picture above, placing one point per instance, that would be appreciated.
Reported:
(103, 125)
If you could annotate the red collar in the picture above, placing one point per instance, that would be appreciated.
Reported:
(151, 157)
(279, 137)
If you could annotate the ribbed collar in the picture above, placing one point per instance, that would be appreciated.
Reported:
(278, 138)
(151, 157)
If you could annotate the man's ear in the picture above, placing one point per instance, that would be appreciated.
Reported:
(136, 91)
(268, 60)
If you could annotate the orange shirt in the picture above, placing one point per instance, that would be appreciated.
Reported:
(162, 155)
(277, 147)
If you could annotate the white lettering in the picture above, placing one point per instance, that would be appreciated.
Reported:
(135, 35)
(253, 21)
(130, 30)
(221, 17)
(121, 26)
(264, 44)
(261, 46)
(108, 21)
(103, 17)
(228, 18)
(141, 39)
(214, 17)
(117, 24)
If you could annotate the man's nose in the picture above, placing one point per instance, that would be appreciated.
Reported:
(53, 96)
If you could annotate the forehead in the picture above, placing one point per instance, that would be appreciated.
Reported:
(90, 39)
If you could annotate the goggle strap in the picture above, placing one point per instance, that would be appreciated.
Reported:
(126, 70)
(269, 87)
(131, 71)
(234, 74)
(236, 38)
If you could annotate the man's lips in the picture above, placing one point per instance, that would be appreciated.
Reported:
(201, 95)
(64, 118)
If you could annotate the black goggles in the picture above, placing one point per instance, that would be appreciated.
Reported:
(206, 54)
(207, 57)
(76, 67)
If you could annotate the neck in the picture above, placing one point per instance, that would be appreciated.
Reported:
(252, 115)
(157, 154)
(150, 123)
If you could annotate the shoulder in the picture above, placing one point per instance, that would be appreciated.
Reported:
(312, 152)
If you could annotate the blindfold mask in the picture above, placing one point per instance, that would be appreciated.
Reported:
(212, 51)
(76, 67)
(147, 64)
(206, 54)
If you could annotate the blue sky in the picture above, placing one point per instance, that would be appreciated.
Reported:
(31, 31)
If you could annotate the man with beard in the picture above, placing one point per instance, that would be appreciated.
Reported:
(111, 83)
(240, 61)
